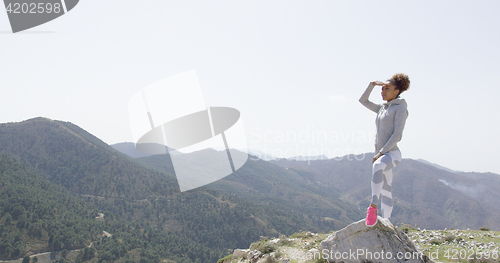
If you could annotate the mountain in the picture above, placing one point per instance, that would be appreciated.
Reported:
(425, 195)
(307, 158)
(260, 154)
(71, 157)
(327, 190)
(146, 216)
(149, 219)
(437, 166)
(128, 148)
(270, 185)
(37, 215)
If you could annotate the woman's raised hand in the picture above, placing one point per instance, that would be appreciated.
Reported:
(378, 83)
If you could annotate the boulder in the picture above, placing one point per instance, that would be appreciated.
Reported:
(382, 242)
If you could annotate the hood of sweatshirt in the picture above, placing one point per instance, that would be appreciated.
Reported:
(396, 101)
(387, 105)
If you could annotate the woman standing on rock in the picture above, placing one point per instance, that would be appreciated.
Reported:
(390, 122)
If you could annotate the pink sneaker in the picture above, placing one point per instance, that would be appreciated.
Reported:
(371, 216)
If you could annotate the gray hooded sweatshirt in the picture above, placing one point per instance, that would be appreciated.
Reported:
(390, 121)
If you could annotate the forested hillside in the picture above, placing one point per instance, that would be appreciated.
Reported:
(77, 160)
(36, 215)
(269, 185)
(78, 176)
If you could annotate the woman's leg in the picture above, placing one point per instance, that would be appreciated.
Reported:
(382, 180)
(386, 194)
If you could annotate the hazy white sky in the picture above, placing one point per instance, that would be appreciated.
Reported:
(294, 69)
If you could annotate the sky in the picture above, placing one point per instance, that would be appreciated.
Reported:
(294, 69)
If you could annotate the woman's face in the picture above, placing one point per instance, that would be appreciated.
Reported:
(389, 92)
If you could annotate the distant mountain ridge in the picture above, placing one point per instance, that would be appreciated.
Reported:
(129, 149)
(306, 158)
(438, 166)
(438, 198)
(425, 195)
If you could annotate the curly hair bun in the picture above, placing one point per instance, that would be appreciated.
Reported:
(402, 82)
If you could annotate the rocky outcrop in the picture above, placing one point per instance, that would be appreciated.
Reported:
(307, 247)
(380, 243)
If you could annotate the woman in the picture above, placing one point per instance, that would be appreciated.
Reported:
(390, 122)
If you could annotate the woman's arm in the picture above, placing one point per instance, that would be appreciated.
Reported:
(399, 125)
(366, 102)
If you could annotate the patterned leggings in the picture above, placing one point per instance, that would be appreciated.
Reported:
(382, 180)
